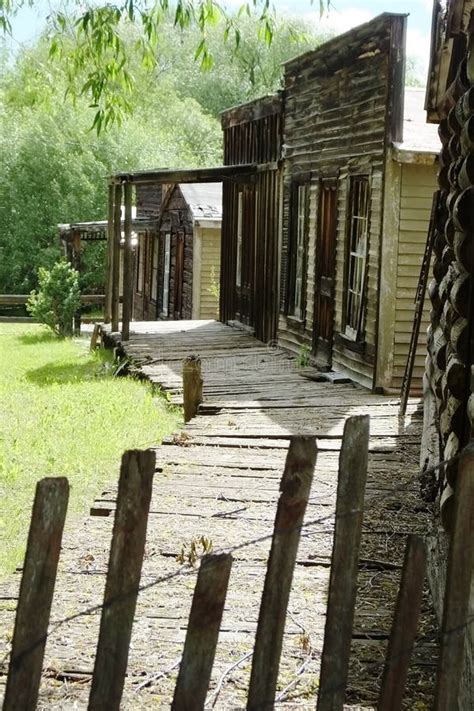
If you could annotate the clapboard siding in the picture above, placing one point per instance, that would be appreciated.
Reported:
(418, 182)
(338, 118)
(210, 270)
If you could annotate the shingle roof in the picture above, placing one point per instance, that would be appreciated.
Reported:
(418, 136)
(204, 200)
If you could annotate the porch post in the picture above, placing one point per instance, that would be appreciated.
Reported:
(116, 257)
(110, 256)
(127, 264)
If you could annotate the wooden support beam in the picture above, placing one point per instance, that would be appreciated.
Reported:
(110, 255)
(295, 488)
(344, 564)
(36, 594)
(127, 264)
(202, 633)
(458, 587)
(123, 579)
(405, 621)
(116, 257)
(192, 386)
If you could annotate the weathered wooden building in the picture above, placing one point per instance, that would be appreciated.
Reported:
(324, 245)
(252, 217)
(448, 382)
(177, 264)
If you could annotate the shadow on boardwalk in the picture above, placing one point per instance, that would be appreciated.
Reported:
(219, 478)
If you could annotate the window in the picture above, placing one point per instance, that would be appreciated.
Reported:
(238, 261)
(154, 269)
(357, 246)
(166, 274)
(141, 262)
(299, 240)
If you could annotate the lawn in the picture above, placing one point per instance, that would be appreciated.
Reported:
(63, 413)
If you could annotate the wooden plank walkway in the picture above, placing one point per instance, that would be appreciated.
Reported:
(218, 478)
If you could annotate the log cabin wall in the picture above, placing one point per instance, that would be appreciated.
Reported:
(343, 105)
(448, 385)
(148, 202)
(251, 217)
(177, 221)
(450, 345)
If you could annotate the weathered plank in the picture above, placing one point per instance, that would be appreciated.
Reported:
(36, 593)
(123, 579)
(458, 586)
(344, 564)
(192, 386)
(202, 633)
(404, 626)
(295, 488)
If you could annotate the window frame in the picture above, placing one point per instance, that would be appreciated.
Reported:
(298, 248)
(357, 243)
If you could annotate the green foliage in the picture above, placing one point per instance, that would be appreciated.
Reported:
(64, 414)
(57, 299)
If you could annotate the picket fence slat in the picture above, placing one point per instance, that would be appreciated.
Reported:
(344, 564)
(202, 633)
(123, 579)
(405, 621)
(295, 489)
(36, 593)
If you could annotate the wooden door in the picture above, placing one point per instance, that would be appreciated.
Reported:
(245, 257)
(325, 273)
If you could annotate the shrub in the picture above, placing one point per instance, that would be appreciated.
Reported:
(57, 298)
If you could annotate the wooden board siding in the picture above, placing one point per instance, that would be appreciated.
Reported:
(417, 186)
(338, 120)
(209, 273)
(148, 203)
(252, 134)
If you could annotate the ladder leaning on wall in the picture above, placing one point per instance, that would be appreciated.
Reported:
(419, 304)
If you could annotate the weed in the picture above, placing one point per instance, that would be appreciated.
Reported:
(189, 555)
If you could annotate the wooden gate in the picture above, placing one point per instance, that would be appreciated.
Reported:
(325, 273)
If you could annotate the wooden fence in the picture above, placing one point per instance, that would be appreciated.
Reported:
(123, 583)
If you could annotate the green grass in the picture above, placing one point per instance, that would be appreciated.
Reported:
(63, 413)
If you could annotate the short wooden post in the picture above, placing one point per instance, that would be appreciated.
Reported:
(36, 593)
(127, 264)
(202, 633)
(344, 564)
(295, 488)
(110, 256)
(192, 386)
(95, 336)
(458, 586)
(123, 579)
(405, 621)
(116, 256)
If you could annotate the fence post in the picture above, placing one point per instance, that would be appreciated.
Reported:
(123, 579)
(192, 386)
(110, 256)
(405, 621)
(116, 256)
(36, 593)
(344, 564)
(127, 264)
(458, 586)
(202, 633)
(295, 488)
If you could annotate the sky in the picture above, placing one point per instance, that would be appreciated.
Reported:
(343, 15)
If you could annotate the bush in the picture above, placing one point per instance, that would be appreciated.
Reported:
(57, 298)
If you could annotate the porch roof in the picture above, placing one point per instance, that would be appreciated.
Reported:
(187, 175)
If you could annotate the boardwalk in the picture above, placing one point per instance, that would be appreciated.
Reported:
(218, 479)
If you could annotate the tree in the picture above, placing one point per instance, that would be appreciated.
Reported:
(90, 41)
